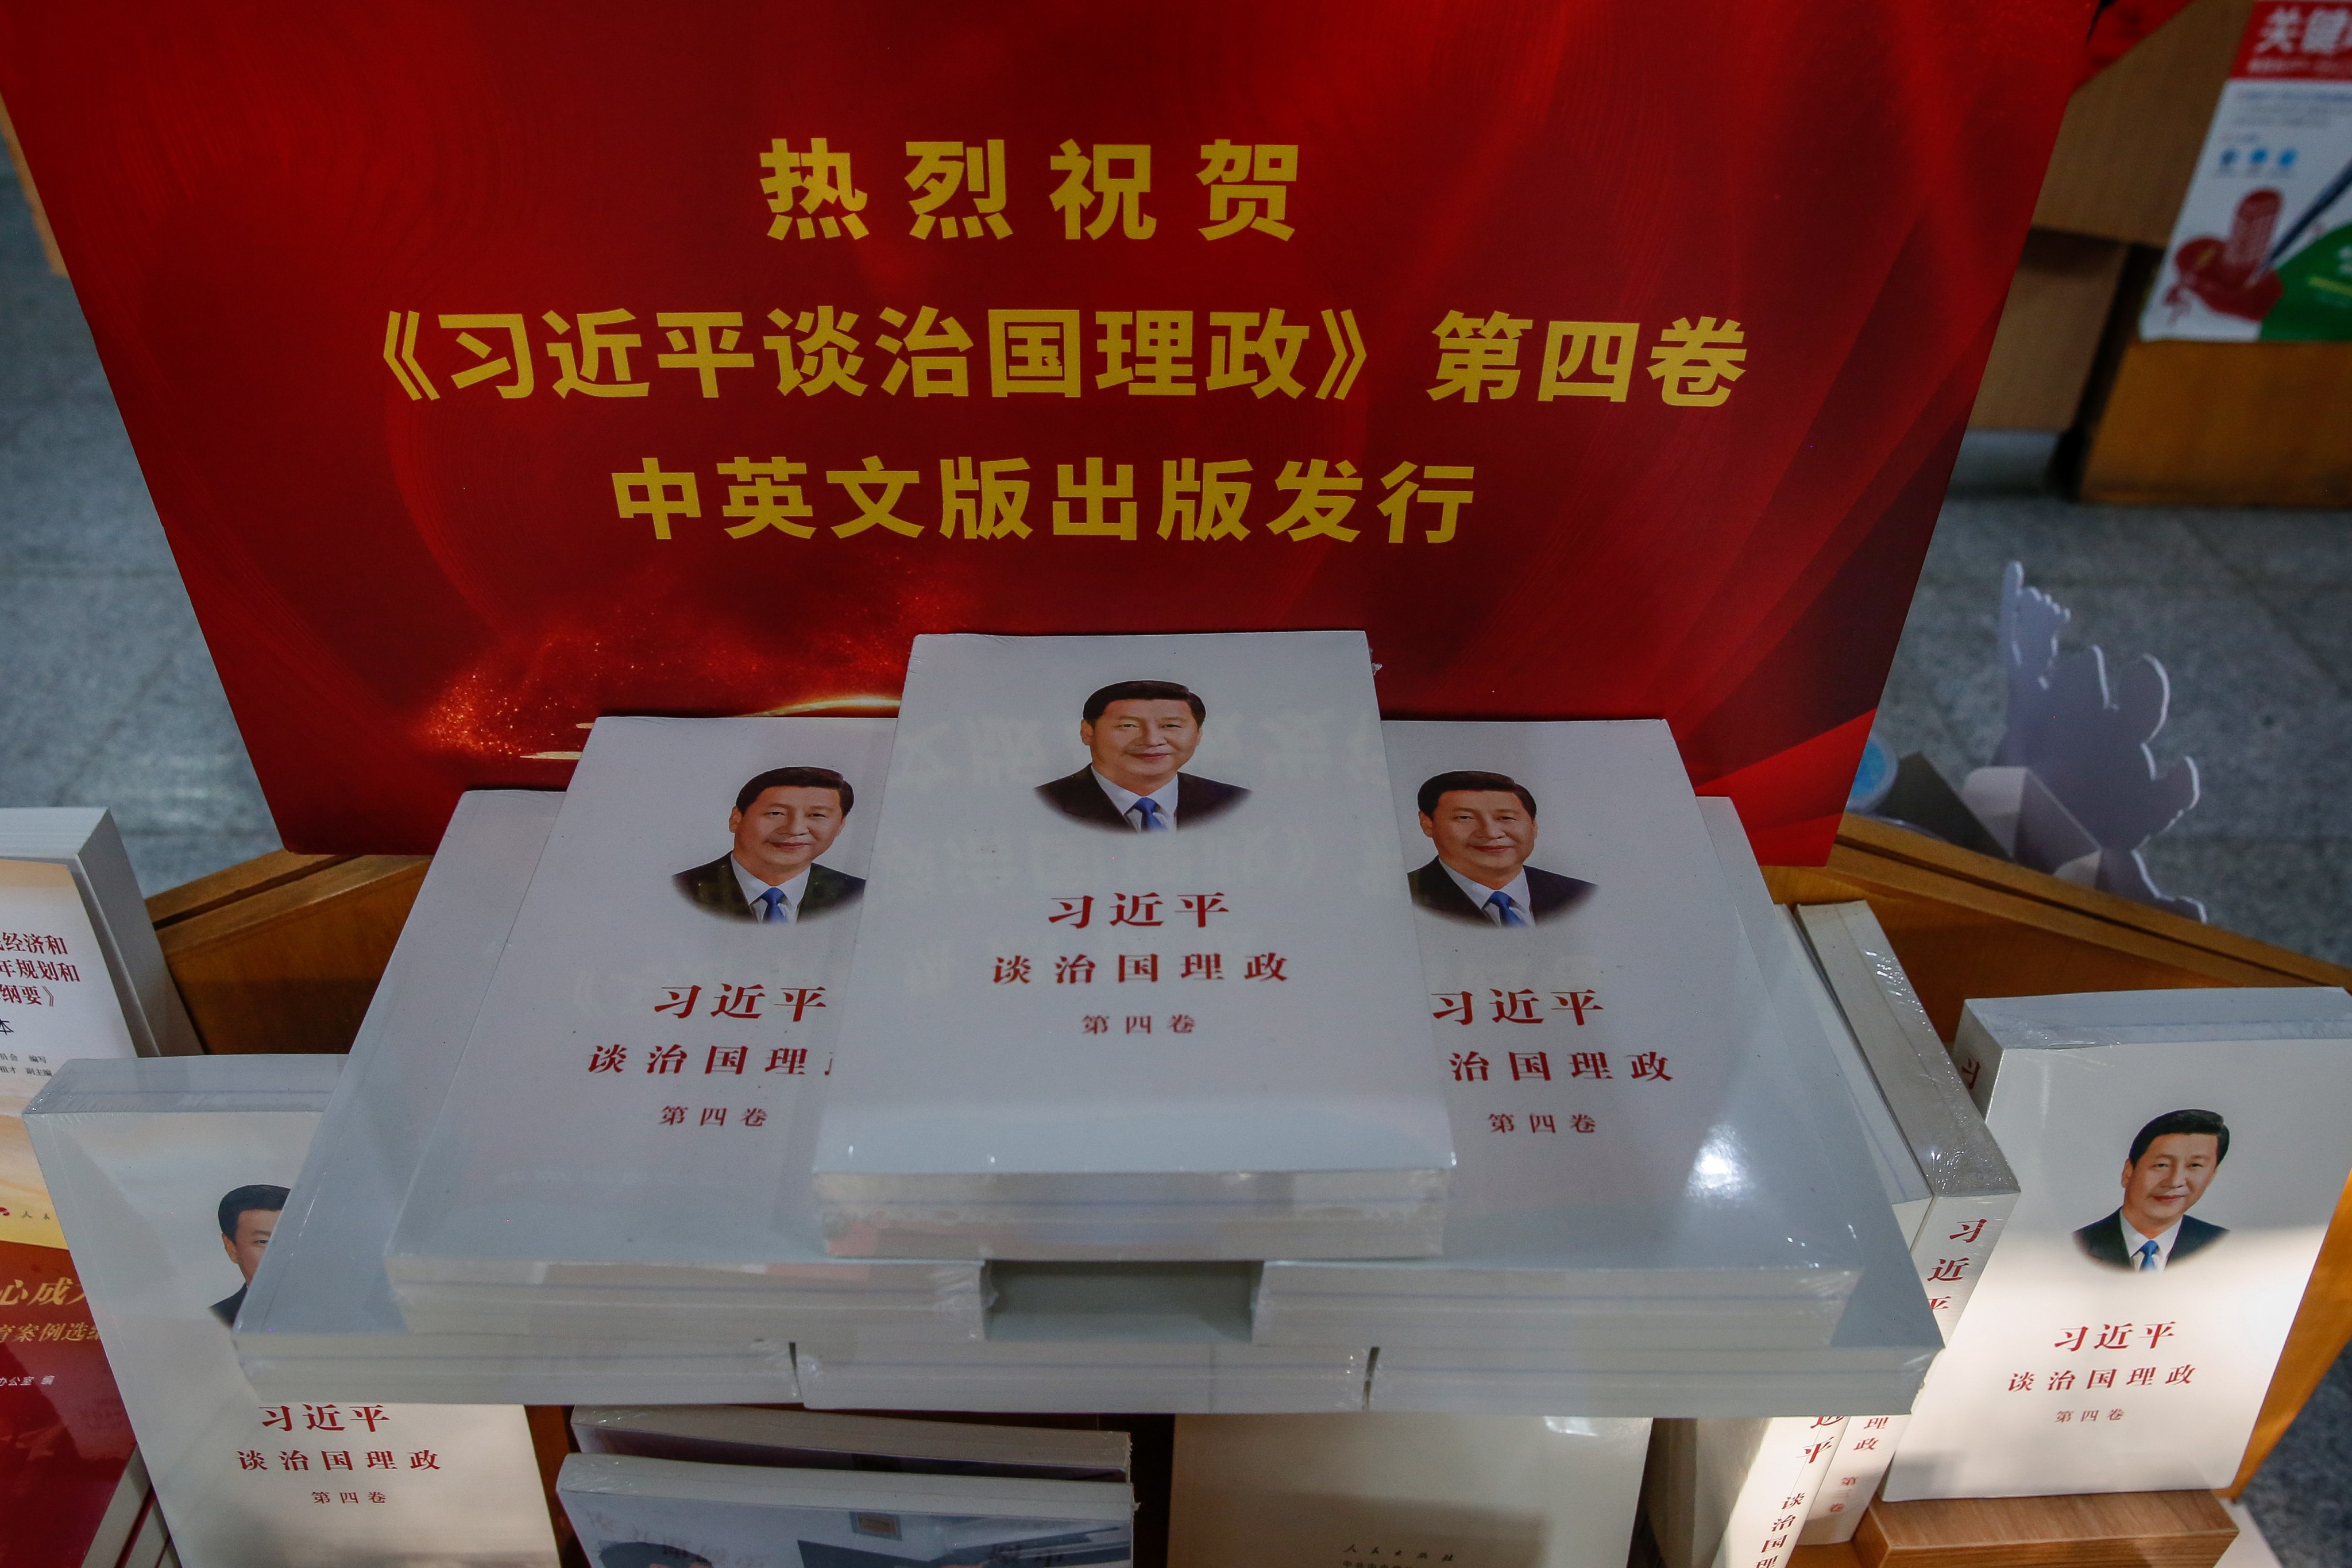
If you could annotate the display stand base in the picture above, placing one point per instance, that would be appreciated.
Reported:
(2102, 1530)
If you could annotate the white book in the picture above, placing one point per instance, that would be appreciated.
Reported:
(85, 842)
(1807, 1008)
(169, 1175)
(1735, 1494)
(814, 1440)
(1070, 1037)
(2179, 1156)
(625, 1149)
(667, 1513)
(1973, 1189)
(319, 1317)
(1617, 1077)
(1883, 1344)
(1972, 1186)
(1277, 1491)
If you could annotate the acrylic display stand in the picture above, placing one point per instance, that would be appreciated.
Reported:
(281, 954)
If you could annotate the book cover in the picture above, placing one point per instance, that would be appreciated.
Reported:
(169, 1176)
(1619, 1089)
(624, 1148)
(66, 1448)
(1134, 979)
(2178, 1155)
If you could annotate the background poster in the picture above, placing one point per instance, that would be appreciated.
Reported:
(483, 387)
(2263, 248)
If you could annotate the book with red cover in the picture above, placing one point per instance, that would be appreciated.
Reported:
(64, 1439)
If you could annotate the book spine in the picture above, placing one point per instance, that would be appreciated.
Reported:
(1853, 1478)
(1953, 1246)
(1774, 1501)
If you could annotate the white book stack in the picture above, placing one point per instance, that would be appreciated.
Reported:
(1971, 1188)
(1076, 1031)
(1086, 1336)
(631, 1512)
(1276, 1492)
(2179, 1156)
(169, 1176)
(1698, 1231)
(802, 1439)
(623, 1151)
(1735, 1494)
(319, 1318)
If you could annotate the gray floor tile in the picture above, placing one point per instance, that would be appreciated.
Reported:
(2319, 615)
(2300, 1497)
(2306, 547)
(2062, 544)
(79, 649)
(2296, 892)
(71, 493)
(174, 762)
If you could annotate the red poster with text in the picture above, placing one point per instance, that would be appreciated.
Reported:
(494, 368)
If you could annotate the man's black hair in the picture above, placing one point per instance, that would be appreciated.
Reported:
(2191, 1122)
(260, 1195)
(1145, 692)
(647, 1554)
(796, 778)
(1446, 783)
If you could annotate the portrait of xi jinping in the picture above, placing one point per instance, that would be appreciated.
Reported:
(1139, 734)
(784, 819)
(1483, 825)
(2172, 1162)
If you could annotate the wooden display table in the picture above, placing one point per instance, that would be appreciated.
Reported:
(282, 953)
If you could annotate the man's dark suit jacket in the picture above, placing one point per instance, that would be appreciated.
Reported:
(226, 1310)
(714, 888)
(1197, 800)
(1553, 893)
(2104, 1242)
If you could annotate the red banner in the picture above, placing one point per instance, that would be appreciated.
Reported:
(495, 368)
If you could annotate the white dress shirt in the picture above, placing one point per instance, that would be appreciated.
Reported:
(754, 890)
(1164, 798)
(1478, 893)
(2133, 1241)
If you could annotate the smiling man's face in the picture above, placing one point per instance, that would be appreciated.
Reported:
(1486, 835)
(1139, 742)
(784, 830)
(2167, 1178)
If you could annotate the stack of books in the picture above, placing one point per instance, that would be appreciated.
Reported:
(1115, 1056)
(1132, 1011)
(1786, 1105)
(319, 1312)
(622, 1151)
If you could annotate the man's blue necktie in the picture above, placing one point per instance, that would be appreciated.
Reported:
(1147, 812)
(773, 908)
(2147, 1256)
(1507, 908)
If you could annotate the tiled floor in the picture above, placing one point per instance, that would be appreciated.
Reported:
(112, 698)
